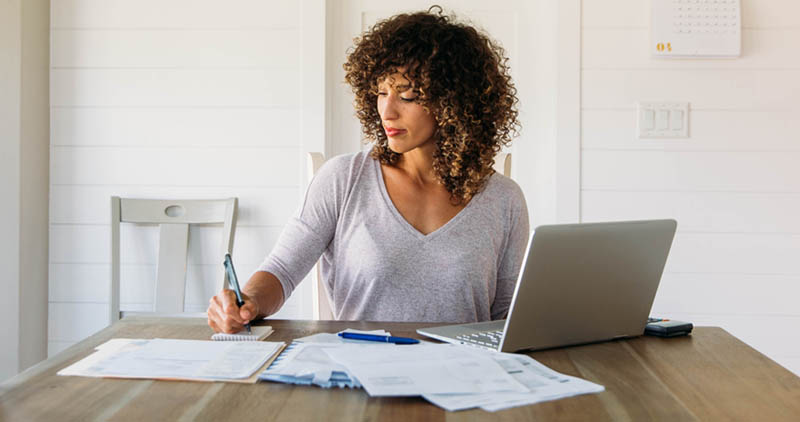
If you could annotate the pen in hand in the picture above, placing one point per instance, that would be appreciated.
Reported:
(233, 282)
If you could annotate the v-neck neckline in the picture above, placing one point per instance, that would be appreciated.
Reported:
(402, 220)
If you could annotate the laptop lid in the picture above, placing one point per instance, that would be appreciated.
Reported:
(582, 283)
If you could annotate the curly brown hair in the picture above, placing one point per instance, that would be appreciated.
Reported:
(462, 77)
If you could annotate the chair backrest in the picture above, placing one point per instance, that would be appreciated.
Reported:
(320, 297)
(173, 218)
(319, 294)
(502, 164)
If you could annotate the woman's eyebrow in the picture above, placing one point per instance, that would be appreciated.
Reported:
(402, 88)
(398, 88)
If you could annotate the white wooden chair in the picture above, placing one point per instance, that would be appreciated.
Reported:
(320, 298)
(319, 294)
(502, 163)
(173, 218)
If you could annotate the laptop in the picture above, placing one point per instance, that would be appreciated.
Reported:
(579, 283)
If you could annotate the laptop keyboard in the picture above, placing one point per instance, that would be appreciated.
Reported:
(490, 339)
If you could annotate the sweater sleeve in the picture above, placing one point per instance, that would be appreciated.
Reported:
(309, 232)
(511, 260)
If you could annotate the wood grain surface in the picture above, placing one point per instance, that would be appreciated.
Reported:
(709, 375)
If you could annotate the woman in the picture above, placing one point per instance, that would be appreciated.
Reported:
(420, 228)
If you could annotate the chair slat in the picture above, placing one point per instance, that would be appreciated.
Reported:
(113, 300)
(173, 246)
(321, 303)
(192, 211)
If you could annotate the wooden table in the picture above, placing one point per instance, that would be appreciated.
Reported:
(708, 376)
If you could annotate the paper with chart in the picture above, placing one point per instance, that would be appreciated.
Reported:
(412, 370)
(544, 384)
(305, 362)
(175, 359)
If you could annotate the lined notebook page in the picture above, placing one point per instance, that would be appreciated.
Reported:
(259, 333)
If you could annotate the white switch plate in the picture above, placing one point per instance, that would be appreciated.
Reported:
(662, 119)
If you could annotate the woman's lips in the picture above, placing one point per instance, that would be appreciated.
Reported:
(394, 132)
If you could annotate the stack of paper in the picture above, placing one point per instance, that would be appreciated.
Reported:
(543, 384)
(307, 364)
(195, 360)
(412, 370)
(449, 376)
(305, 361)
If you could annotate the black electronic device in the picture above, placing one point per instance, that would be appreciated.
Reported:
(663, 327)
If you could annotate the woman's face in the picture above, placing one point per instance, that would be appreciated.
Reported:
(406, 123)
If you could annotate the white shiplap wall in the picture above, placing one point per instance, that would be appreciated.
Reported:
(170, 99)
(733, 186)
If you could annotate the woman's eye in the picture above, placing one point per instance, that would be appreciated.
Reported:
(409, 99)
(381, 94)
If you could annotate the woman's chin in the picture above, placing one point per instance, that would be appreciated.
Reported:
(397, 149)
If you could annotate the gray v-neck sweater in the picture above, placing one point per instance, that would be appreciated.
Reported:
(378, 267)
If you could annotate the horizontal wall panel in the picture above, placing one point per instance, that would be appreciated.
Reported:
(770, 335)
(175, 87)
(629, 48)
(139, 244)
(187, 127)
(290, 310)
(177, 167)
(266, 48)
(771, 14)
(79, 204)
(702, 88)
(690, 171)
(75, 321)
(730, 294)
(82, 283)
(732, 253)
(177, 14)
(709, 130)
(699, 211)
(90, 283)
(622, 13)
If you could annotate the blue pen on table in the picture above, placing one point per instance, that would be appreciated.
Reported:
(373, 337)
(233, 282)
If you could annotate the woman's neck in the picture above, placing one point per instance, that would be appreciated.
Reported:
(418, 164)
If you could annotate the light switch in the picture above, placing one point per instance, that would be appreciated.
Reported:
(649, 119)
(676, 119)
(663, 119)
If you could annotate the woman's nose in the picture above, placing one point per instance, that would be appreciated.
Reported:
(388, 107)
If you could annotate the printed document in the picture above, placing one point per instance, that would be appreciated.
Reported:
(175, 359)
(544, 384)
(412, 370)
(304, 362)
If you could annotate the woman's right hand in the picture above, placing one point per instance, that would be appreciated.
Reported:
(225, 316)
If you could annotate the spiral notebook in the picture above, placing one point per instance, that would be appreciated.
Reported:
(259, 333)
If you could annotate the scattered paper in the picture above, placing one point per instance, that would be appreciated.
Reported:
(449, 376)
(412, 370)
(306, 364)
(170, 358)
(544, 384)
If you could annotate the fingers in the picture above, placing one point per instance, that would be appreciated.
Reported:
(219, 319)
(248, 311)
(230, 306)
